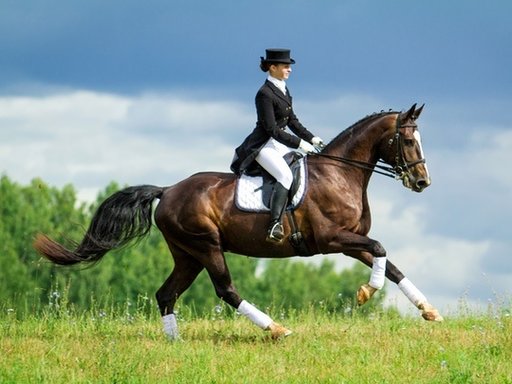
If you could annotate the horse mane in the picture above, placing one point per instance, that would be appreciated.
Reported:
(365, 120)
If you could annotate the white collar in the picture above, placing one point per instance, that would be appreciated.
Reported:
(281, 84)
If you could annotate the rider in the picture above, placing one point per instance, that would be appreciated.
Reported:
(269, 141)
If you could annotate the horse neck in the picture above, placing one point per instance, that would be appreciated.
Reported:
(363, 140)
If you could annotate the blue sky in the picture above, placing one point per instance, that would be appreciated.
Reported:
(359, 46)
(150, 92)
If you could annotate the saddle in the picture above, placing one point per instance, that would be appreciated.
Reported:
(254, 187)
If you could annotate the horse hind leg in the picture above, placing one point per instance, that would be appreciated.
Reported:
(185, 271)
(225, 290)
(428, 311)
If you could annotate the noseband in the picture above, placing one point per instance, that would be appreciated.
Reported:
(401, 168)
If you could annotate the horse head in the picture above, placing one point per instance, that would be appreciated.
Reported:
(405, 147)
(403, 151)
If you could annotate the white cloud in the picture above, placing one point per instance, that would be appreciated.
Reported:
(173, 116)
(88, 138)
(490, 155)
(58, 137)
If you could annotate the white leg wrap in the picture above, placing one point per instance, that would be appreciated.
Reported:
(170, 326)
(259, 318)
(412, 293)
(378, 272)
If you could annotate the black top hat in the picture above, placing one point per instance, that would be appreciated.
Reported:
(277, 55)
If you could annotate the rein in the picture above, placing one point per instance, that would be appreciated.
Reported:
(397, 172)
(385, 170)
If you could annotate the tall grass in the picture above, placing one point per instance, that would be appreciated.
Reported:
(126, 345)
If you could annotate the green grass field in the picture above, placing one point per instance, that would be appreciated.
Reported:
(100, 348)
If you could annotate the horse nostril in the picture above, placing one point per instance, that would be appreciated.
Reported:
(422, 183)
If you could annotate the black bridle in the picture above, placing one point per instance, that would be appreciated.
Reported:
(401, 167)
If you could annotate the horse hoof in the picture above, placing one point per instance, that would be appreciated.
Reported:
(277, 331)
(429, 313)
(365, 293)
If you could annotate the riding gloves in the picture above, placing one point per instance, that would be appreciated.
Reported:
(318, 143)
(306, 147)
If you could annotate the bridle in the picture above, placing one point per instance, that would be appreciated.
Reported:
(401, 168)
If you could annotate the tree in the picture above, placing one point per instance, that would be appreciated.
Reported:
(293, 284)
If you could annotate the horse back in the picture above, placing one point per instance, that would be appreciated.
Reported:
(192, 200)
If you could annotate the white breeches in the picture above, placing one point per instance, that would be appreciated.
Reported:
(271, 159)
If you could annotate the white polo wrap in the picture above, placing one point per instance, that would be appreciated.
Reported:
(412, 293)
(378, 272)
(259, 318)
(170, 326)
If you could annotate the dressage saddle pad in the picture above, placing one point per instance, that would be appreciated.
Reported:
(253, 192)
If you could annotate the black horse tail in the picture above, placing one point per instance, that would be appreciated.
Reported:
(123, 217)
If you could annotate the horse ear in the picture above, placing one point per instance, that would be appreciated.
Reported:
(408, 115)
(418, 112)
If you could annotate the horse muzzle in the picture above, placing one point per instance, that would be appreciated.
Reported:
(416, 184)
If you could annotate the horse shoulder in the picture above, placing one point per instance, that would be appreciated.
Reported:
(337, 201)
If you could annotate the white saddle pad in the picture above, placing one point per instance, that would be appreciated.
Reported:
(248, 194)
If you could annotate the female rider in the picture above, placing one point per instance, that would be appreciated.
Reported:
(270, 141)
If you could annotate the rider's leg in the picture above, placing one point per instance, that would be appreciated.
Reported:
(272, 161)
(278, 202)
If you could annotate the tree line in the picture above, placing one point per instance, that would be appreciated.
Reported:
(130, 276)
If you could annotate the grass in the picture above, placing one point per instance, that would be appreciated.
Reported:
(64, 347)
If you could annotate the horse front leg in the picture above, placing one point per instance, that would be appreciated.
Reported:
(355, 245)
(415, 296)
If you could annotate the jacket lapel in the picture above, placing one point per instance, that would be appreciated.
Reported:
(278, 92)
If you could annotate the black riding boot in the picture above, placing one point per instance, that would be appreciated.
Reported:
(278, 202)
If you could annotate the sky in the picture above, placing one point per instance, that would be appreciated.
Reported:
(150, 92)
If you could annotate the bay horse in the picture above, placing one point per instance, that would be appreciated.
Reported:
(199, 219)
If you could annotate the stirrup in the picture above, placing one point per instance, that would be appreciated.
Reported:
(275, 232)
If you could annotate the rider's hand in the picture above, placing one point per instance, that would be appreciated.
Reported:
(306, 147)
(318, 143)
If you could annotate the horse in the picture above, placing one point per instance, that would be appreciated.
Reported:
(200, 221)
